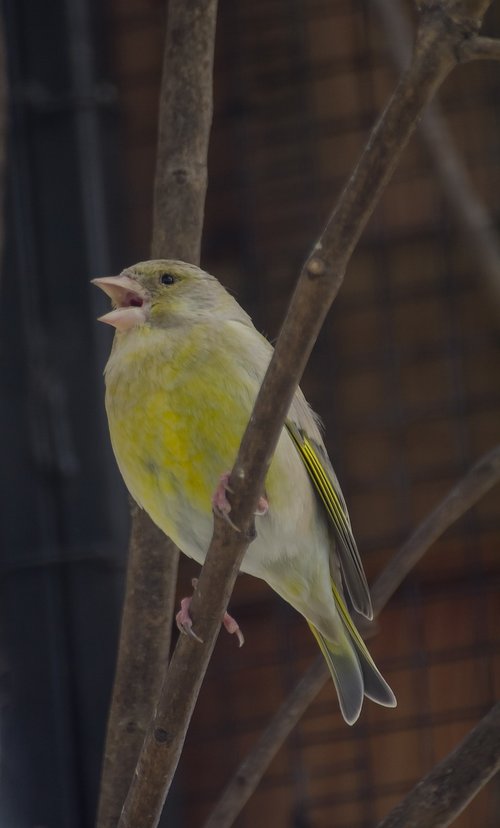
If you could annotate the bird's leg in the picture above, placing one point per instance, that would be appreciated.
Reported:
(184, 621)
(185, 624)
(222, 506)
(220, 503)
(232, 627)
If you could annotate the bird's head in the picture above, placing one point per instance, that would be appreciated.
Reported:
(163, 293)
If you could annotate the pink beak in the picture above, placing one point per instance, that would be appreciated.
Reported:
(129, 298)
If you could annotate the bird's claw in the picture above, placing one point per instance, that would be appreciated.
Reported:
(233, 628)
(220, 503)
(225, 516)
(185, 624)
(222, 506)
(262, 506)
(184, 621)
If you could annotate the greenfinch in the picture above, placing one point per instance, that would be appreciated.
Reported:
(181, 381)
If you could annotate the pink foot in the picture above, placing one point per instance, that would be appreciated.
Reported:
(220, 503)
(222, 506)
(262, 506)
(184, 621)
(185, 624)
(233, 627)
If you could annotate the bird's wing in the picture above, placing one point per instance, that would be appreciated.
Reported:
(327, 486)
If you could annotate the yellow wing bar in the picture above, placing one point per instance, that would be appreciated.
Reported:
(328, 489)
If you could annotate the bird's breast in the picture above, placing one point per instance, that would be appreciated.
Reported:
(175, 426)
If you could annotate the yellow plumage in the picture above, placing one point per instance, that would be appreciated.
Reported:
(181, 381)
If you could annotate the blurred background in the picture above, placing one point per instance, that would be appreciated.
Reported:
(406, 376)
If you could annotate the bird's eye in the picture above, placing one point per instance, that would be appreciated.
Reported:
(167, 279)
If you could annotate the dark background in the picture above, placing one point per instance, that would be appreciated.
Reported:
(405, 376)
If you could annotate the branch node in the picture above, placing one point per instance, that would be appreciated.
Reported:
(162, 736)
(315, 268)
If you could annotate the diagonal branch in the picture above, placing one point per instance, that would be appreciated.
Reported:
(444, 793)
(481, 48)
(477, 482)
(185, 118)
(464, 202)
(480, 479)
(440, 32)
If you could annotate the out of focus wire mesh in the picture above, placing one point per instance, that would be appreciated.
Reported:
(406, 376)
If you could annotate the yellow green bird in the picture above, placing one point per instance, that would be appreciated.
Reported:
(181, 381)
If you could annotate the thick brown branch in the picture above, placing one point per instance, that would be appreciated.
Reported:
(185, 119)
(142, 659)
(479, 480)
(180, 184)
(444, 793)
(322, 275)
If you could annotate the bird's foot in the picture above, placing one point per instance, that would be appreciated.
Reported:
(262, 506)
(220, 503)
(185, 623)
(222, 506)
(233, 628)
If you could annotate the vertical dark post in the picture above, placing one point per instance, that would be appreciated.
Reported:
(3, 132)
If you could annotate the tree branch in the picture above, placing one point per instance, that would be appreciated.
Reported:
(480, 479)
(444, 793)
(469, 210)
(142, 658)
(480, 48)
(253, 767)
(185, 117)
(439, 37)
(186, 108)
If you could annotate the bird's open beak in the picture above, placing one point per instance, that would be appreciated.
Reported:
(129, 299)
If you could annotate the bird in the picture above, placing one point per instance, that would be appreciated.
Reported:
(181, 380)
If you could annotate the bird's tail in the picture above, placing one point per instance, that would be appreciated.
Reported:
(353, 670)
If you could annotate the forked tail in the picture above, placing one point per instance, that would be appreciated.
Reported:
(353, 670)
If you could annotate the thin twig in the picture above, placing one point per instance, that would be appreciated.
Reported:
(180, 185)
(481, 48)
(444, 793)
(439, 36)
(253, 767)
(466, 205)
(480, 479)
